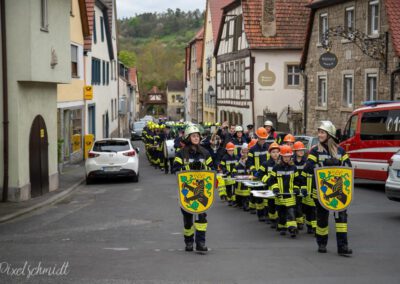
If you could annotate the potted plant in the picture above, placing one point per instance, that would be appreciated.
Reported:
(60, 144)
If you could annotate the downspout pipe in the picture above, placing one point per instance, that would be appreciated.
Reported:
(5, 101)
(305, 80)
(392, 78)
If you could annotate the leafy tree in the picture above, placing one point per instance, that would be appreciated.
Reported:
(128, 58)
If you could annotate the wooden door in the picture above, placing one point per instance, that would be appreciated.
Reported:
(38, 158)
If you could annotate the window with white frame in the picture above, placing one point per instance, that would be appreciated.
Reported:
(227, 73)
(293, 75)
(242, 73)
(237, 74)
(74, 61)
(232, 74)
(349, 19)
(347, 100)
(323, 27)
(222, 74)
(322, 91)
(373, 17)
(371, 86)
(44, 17)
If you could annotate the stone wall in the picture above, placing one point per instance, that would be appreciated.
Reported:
(350, 58)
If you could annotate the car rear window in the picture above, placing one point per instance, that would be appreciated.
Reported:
(111, 146)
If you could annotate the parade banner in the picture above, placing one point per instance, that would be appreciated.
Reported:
(196, 190)
(335, 187)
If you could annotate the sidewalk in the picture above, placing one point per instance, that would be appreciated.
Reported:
(70, 179)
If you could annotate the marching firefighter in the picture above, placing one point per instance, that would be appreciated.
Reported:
(269, 126)
(266, 170)
(289, 140)
(257, 156)
(193, 157)
(299, 160)
(228, 166)
(239, 139)
(242, 193)
(327, 154)
(285, 182)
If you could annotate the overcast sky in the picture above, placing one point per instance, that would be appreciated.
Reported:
(128, 8)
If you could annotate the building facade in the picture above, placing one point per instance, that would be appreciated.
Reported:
(258, 60)
(196, 77)
(360, 74)
(175, 97)
(213, 18)
(70, 98)
(102, 70)
(38, 59)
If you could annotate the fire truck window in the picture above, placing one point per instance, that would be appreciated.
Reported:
(351, 127)
(380, 125)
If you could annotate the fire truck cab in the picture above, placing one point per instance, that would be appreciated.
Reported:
(371, 137)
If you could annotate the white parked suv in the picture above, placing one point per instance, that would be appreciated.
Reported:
(392, 187)
(114, 157)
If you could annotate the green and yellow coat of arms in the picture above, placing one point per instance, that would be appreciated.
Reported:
(196, 190)
(335, 187)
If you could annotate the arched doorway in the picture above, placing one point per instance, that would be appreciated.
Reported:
(38, 158)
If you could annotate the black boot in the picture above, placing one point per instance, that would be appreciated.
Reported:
(293, 233)
(310, 230)
(261, 219)
(300, 226)
(322, 248)
(273, 224)
(253, 211)
(201, 247)
(344, 250)
(282, 232)
(189, 247)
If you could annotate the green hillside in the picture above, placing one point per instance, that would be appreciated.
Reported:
(155, 44)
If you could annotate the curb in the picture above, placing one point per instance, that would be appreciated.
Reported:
(54, 199)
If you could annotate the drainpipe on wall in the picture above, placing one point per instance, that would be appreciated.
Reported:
(392, 77)
(305, 80)
(5, 99)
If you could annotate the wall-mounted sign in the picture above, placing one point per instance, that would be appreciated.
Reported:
(328, 60)
(266, 78)
(88, 93)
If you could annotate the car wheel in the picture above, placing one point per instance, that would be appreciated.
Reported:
(135, 178)
(89, 181)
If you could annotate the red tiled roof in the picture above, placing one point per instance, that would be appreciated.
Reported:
(291, 19)
(90, 14)
(216, 15)
(133, 76)
(154, 90)
(393, 14)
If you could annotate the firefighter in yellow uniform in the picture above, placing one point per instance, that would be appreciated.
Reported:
(193, 157)
(328, 153)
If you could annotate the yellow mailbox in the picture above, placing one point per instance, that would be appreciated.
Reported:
(76, 143)
(88, 92)
(89, 139)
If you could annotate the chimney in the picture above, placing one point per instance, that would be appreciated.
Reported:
(268, 23)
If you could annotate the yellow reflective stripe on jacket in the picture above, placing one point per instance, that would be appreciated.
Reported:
(344, 158)
(208, 161)
(312, 158)
(178, 160)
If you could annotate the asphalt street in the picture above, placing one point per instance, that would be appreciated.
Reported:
(123, 232)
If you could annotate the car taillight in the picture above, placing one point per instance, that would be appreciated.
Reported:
(93, 155)
(130, 153)
(390, 162)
